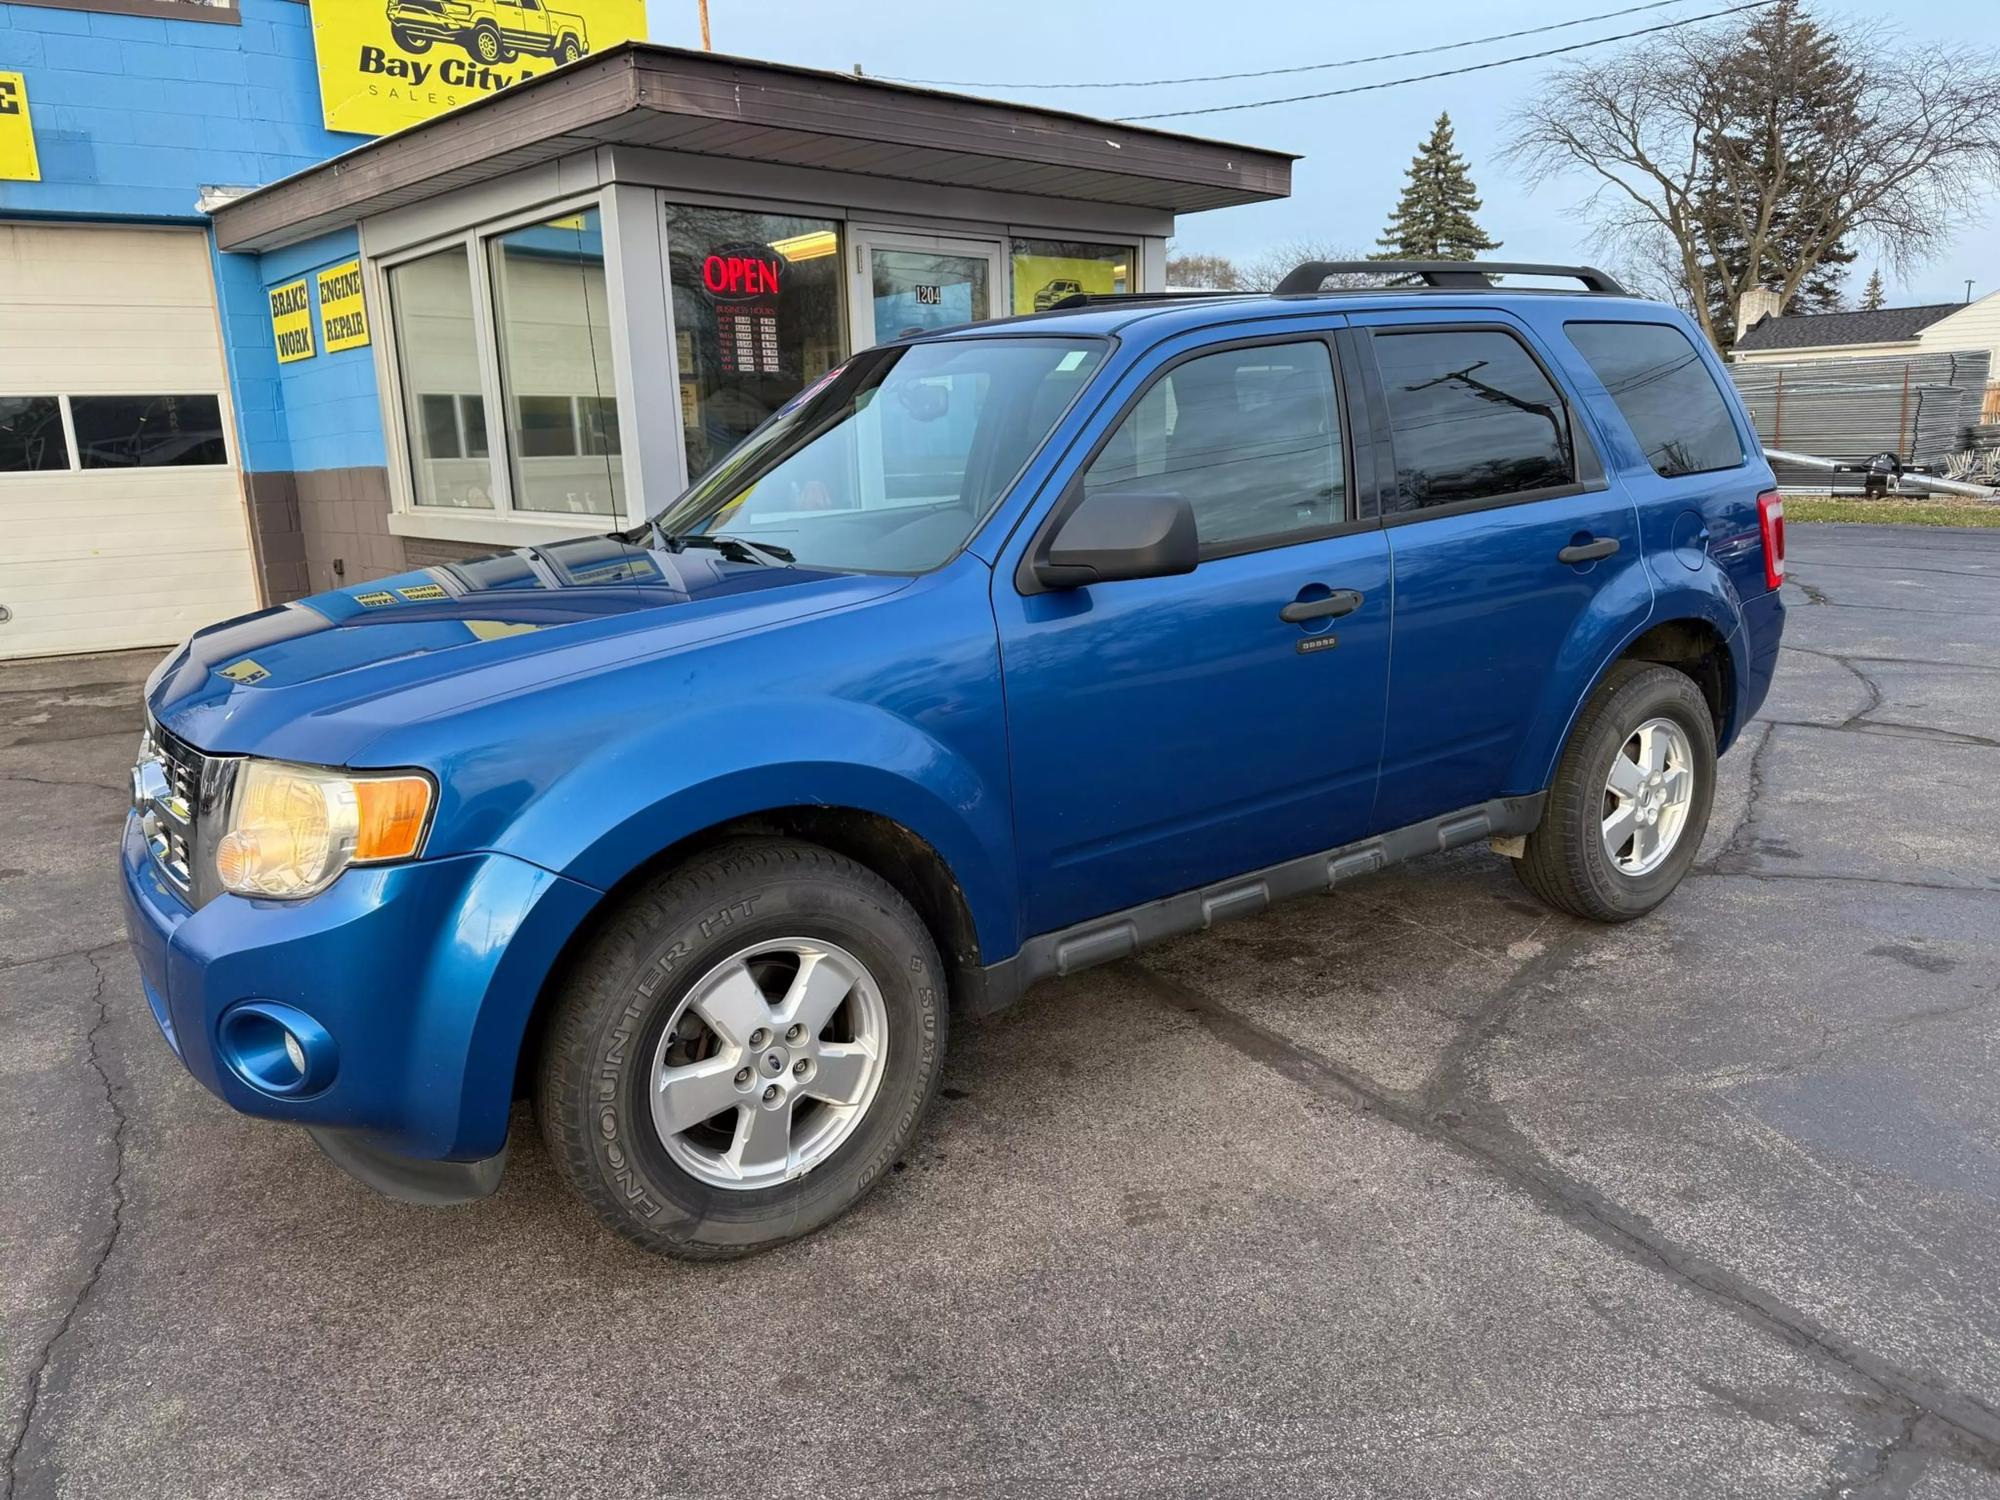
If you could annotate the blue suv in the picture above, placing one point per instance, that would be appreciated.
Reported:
(998, 652)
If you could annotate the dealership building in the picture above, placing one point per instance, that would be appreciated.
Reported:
(244, 358)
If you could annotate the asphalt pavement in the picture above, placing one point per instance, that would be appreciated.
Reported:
(1417, 1189)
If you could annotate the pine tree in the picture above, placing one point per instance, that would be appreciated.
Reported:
(1871, 295)
(1788, 59)
(1434, 218)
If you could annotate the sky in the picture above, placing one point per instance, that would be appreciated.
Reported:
(1355, 150)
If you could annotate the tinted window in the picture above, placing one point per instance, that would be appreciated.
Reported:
(126, 432)
(1248, 435)
(1473, 417)
(1666, 393)
(31, 434)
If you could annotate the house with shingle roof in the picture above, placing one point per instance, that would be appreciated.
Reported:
(1765, 336)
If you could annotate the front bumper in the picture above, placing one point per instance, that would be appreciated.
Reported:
(423, 974)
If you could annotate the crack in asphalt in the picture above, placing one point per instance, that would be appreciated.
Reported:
(102, 786)
(1453, 1112)
(39, 1375)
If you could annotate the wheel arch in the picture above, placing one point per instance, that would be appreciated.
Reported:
(907, 860)
(1691, 630)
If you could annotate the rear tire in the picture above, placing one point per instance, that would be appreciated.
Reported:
(1617, 834)
(660, 1133)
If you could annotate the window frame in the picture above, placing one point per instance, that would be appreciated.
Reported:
(1072, 493)
(232, 457)
(505, 521)
(1585, 464)
(1742, 450)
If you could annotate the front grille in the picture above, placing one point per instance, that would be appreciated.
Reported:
(170, 808)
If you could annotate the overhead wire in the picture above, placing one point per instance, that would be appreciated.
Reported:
(1498, 62)
(1345, 62)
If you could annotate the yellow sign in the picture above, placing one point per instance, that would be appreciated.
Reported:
(343, 317)
(385, 66)
(1041, 281)
(18, 162)
(291, 321)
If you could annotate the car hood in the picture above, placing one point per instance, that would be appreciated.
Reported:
(316, 679)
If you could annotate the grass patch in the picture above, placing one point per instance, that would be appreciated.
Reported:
(1932, 512)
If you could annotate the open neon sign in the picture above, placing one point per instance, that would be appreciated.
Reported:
(737, 275)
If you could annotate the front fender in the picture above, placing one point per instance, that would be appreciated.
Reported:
(613, 810)
(1603, 634)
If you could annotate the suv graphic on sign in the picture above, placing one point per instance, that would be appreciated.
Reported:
(492, 31)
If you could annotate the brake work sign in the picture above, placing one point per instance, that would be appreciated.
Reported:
(386, 66)
(291, 321)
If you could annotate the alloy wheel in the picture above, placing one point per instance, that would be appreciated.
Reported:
(770, 1063)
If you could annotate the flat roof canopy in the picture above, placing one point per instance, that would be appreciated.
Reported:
(638, 94)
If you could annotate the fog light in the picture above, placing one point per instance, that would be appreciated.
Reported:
(276, 1048)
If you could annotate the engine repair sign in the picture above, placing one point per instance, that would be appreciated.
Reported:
(343, 315)
(384, 67)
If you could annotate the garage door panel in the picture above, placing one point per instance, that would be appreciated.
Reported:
(93, 560)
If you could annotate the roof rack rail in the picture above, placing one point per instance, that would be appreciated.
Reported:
(1100, 299)
(1455, 274)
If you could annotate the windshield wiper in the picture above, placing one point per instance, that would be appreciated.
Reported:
(735, 548)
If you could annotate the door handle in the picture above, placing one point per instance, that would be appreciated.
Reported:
(1591, 551)
(1339, 602)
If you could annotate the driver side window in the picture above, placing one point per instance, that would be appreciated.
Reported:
(1250, 436)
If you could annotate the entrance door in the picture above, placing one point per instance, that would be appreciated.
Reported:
(902, 283)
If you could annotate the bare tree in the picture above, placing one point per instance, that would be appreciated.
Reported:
(1278, 262)
(1700, 145)
(1209, 272)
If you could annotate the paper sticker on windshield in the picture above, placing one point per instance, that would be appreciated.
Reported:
(424, 591)
(245, 670)
(1071, 360)
(375, 600)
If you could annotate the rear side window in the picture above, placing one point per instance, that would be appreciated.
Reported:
(1666, 393)
(1472, 417)
(1248, 435)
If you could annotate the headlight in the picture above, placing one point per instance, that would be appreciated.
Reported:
(292, 829)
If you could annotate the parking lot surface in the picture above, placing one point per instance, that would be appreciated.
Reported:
(1416, 1189)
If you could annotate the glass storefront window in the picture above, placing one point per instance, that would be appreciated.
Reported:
(554, 332)
(757, 316)
(431, 302)
(1046, 271)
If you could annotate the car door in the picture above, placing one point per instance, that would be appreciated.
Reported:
(1503, 533)
(1167, 732)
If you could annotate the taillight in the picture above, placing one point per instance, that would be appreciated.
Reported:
(1771, 523)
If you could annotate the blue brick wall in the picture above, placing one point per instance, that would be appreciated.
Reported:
(133, 115)
(332, 417)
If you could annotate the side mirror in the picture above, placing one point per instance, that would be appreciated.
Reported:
(1117, 535)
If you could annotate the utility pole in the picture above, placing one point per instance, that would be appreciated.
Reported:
(708, 46)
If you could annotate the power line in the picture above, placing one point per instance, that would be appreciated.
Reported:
(1500, 62)
(1347, 62)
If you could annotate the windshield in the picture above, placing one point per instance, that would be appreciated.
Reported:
(888, 463)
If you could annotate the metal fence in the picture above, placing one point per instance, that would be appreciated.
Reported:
(1920, 407)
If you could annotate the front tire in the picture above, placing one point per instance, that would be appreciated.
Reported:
(486, 45)
(744, 1051)
(1630, 800)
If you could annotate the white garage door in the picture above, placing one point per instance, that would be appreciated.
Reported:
(121, 511)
